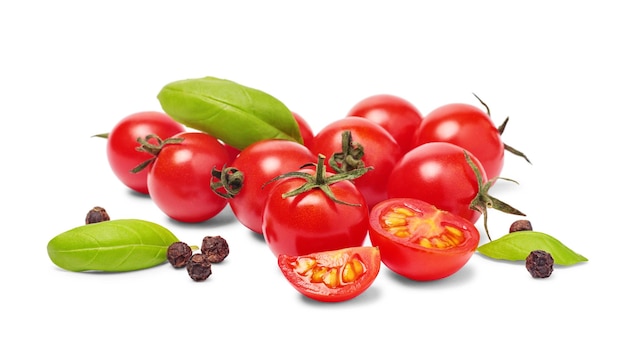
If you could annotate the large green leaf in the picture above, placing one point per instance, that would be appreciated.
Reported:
(233, 113)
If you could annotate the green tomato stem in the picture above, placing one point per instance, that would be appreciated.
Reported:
(320, 180)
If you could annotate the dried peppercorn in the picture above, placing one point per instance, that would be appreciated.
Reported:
(521, 225)
(178, 254)
(540, 264)
(97, 214)
(215, 247)
(199, 267)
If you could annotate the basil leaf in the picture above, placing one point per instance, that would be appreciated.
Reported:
(111, 246)
(517, 245)
(233, 113)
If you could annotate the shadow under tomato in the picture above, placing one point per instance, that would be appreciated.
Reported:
(461, 277)
(256, 236)
(136, 195)
(225, 217)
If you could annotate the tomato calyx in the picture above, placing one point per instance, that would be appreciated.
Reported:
(320, 180)
(153, 149)
(501, 131)
(350, 157)
(229, 182)
(483, 201)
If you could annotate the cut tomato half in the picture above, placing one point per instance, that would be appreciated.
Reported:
(419, 241)
(332, 276)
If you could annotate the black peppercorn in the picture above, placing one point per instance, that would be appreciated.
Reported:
(521, 225)
(215, 247)
(97, 214)
(540, 264)
(199, 267)
(178, 254)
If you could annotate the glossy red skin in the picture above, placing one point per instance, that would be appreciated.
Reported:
(232, 153)
(369, 255)
(311, 222)
(180, 178)
(305, 130)
(259, 163)
(438, 173)
(122, 145)
(382, 152)
(413, 261)
(395, 114)
(466, 126)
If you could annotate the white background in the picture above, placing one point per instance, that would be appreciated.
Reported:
(69, 70)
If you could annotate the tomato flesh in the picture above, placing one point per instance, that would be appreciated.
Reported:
(419, 241)
(332, 276)
(406, 223)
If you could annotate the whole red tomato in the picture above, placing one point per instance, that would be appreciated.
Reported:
(313, 220)
(438, 173)
(376, 149)
(179, 180)
(395, 114)
(419, 241)
(332, 276)
(466, 126)
(258, 164)
(122, 144)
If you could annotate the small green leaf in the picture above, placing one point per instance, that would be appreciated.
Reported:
(517, 245)
(236, 114)
(111, 246)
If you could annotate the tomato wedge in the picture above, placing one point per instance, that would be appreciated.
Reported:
(419, 241)
(332, 276)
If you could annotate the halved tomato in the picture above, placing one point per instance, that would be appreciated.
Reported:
(332, 276)
(419, 241)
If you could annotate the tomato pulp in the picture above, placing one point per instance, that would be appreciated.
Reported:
(419, 241)
(332, 276)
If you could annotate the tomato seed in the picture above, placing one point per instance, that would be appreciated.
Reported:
(352, 271)
(331, 279)
(303, 265)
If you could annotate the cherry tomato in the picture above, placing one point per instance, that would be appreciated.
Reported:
(311, 221)
(438, 173)
(380, 151)
(232, 152)
(466, 126)
(122, 145)
(419, 241)
(259, 163)
(332, 276)
(305, 130)
(179, 180)
(395, 114)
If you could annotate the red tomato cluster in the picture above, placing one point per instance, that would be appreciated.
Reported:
(122, 145)
(408, 181)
